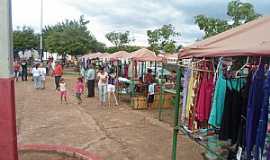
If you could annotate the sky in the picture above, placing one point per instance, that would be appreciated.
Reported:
(136, 16)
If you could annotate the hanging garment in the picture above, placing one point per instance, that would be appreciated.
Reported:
(231, 117)
(126, 70)
(242, 126)
(187, 75)
(190, 94)
(204, 97)
(194, 98)
(219, 97)
(263, 122)
(255, 101)
(192, 89)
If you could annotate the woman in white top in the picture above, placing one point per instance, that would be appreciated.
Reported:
(102, 77)
(42, 76)
(36, 76)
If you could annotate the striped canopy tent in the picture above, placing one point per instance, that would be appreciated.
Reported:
(92, 55)
(250, 39)
(169, 56)
(95, 55)
(145, 54)
(118, 55)
(104, 56)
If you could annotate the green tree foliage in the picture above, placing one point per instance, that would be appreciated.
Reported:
(163, 39)
(119, 39)
(127, 48)
(238, 12)
(24, 39)
(71, 37)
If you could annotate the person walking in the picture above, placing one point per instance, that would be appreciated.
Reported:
(111, 88)
(17, 68)
(102, 86)
(151, 95)
(36, 76)
(24, 70)
(90, 76)
(79, 88)
(42, 76)
(58, 72)
(63, 90)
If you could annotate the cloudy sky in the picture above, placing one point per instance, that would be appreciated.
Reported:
(136, 16)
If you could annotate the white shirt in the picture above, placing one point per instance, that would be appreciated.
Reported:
(151, 89)
(103, 78)
(36, 72)
(42, 72)
(62, 87)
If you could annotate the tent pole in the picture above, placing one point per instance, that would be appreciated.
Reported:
(132, 88)
(155, 68)
(117, 77)
(161, 100)
(142, 69)
(176, 116)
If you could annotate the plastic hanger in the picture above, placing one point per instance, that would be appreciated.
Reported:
(247, 62)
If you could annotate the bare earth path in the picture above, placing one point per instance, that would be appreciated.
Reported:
(116, 133)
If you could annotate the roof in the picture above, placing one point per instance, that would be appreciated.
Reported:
(94, 55)
(144, 54)
(249, 39)
(118, 55)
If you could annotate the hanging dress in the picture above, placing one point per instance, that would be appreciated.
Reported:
(263, 122)
(218, 100)
(255, 101)
(187, 74)
(219, 97)
(205, 97)
(231, 117)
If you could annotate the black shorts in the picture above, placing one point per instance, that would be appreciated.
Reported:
(150, 98)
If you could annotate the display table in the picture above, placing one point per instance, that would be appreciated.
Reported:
(140, 101)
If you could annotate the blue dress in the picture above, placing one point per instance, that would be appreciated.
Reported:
(255, 102)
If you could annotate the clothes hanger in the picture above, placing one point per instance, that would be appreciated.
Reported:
(247, 62)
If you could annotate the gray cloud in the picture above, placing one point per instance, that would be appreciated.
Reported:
(141, 15)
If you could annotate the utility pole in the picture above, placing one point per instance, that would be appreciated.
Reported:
(8, 135)
(41, 32)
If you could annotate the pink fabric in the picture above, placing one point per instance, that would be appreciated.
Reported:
(63, 93)
(79, 87)
(204, 97)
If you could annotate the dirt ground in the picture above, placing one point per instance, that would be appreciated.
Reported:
(116, 133)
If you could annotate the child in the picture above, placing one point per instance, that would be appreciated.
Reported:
(79, 88)
(151, 95)
(63, 90)
(111, 89)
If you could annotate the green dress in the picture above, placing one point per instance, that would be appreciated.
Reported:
(219, 97)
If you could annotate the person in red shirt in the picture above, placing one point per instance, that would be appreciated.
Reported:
(58, 72)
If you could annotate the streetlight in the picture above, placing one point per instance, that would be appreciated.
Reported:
(41, 32)
(8, 136)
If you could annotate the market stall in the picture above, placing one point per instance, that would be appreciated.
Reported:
(225, 98)
(143, 61)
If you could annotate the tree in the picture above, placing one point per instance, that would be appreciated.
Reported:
(163, 39)
(119, 39)
(70, 37)
(127, 48)
(25, 39)
(238, 12)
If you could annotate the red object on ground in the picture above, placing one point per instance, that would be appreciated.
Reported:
(8, 137)
(79, 153)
